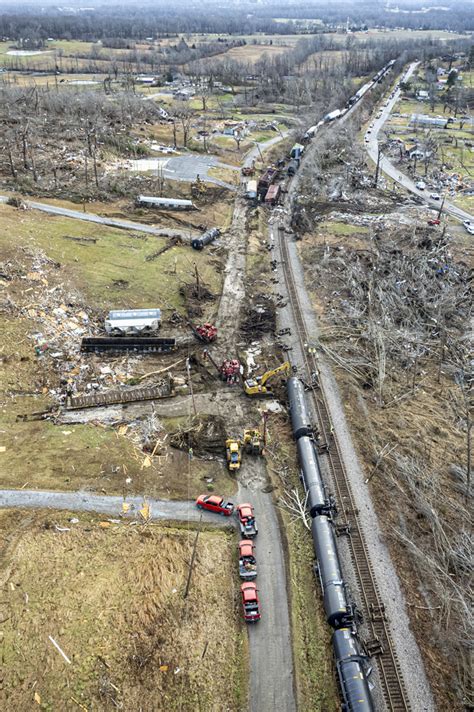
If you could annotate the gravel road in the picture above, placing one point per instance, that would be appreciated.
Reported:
(105, 504)
(271, 658)
(372, 146)
(103, 220)
(411, 663)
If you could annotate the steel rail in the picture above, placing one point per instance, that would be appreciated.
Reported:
(372, 608)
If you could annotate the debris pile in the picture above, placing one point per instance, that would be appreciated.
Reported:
(205, 435)
(195, 294)
(260, 318)
(418, 301)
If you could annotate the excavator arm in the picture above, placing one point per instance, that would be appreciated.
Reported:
(284, 367)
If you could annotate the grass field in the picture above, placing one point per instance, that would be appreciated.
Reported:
(111, 596)
(95, 267)
(103, 459)
(250, 53)
(399, 34)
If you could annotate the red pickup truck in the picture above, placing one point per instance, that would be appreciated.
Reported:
(250, 602)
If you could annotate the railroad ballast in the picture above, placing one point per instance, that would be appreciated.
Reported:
(339, 608)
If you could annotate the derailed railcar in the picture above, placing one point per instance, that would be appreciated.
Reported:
(299, 413)
(209, 236)
(352, 672)
(337, 606)
(318, 501)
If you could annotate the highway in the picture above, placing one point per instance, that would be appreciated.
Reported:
(372, 146)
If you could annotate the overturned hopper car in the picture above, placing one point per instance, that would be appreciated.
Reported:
(133, 322)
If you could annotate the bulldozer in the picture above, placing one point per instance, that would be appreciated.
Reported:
(253, 442)
(257, 386)
(233, 453)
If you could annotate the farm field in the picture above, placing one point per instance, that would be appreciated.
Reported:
(111, 596)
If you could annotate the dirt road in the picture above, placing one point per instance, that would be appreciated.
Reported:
(103, 220)
(110, 505)
(271, 658)
(411, 663)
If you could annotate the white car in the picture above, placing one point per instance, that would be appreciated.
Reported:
(421, 185)
(470, 229)
(435, 196)
(467, 223)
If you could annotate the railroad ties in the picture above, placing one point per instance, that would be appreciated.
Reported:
(121, 395)
(393, 686)
(120, 344)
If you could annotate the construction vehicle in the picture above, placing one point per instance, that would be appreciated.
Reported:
(253, 442)
(233, 449)
(257, 386)
(229, 370)
(205, 332)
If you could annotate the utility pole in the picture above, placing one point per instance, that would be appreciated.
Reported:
(264, 417)
(188, 368)
(193, 557)
(379, 156)
(441, 206)
(198, 284)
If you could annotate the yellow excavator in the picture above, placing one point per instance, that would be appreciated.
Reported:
(253, 442)
(257, 386)
(233, 449)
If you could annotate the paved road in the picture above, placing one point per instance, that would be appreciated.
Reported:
(107, 504)
(186, 167)
(271, 655)
(394, 172)
(254, 153)
(102, 220)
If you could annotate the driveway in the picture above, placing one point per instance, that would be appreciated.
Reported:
(101, 220)
(160, 509)
(271, 654)
(372, 146)
(255, 153)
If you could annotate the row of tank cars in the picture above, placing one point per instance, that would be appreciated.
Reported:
(352, 665)
(339, 113)
(247, 560)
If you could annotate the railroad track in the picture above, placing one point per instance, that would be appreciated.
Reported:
(119, 344)
(393, 687)
(122, 395)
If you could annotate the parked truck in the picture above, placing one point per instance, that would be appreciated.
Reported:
(247, 561)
